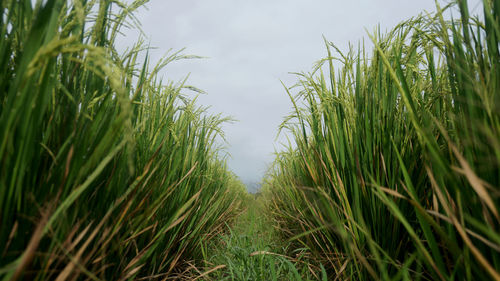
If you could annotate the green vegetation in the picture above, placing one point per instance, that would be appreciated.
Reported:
(396, 168)
(250, 251)
(106, 172)
(109, 173)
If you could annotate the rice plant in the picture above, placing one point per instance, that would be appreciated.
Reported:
(107, 172)
(395, 167)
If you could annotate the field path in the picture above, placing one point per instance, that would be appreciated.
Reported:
(253, 250)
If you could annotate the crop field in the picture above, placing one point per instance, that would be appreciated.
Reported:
(110, 172)
(396, 171)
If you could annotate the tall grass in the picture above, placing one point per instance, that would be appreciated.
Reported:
(106, 172)
(396, 170)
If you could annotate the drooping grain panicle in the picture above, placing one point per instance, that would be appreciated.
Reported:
(106, 173)
(395, 173)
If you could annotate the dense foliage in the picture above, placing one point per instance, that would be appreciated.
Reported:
(395, 169)
(105, 171)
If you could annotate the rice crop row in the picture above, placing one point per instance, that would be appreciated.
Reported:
(394, 171)
(106, 171)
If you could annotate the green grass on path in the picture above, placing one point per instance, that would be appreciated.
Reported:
(252, 250)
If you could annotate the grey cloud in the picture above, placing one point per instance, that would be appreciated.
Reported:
(253, 45)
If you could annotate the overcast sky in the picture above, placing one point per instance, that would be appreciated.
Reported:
(253, 45)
